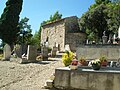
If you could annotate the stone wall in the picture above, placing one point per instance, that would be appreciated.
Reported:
(71, 25)
(112, 52)
(55, 32)
(87, 79)
(74, 40)
(62, 32)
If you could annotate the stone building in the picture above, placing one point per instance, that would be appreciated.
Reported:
(63, 32)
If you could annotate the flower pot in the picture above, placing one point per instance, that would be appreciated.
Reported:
(83, 63)
(96, 67)
(104, 64)
(73, 67)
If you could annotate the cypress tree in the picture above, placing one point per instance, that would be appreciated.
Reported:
(9, 21)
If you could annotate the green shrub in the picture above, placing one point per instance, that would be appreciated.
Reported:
(67, 58)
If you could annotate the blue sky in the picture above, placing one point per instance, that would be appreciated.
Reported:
(40, 10)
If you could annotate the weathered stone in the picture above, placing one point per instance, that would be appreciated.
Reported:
(49, 84)
(112, 52)
(16, 60)
(87, 79)
(55, 49)
(18, 50)
(44, 51)
(31, 53)
(104, 39)
(62, 79)
(7, 52)
(62, 32)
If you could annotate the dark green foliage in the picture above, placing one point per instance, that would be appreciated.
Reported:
(54, 17)
(101, 16)
(25, 35)
(35, 40)
(102, 1)
(114, 16)
(9, 21)
(94, 22)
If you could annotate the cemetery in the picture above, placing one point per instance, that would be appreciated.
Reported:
(87, 65)
(80, 52)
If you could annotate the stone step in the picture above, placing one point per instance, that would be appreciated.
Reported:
(59, 55)
(48, 84)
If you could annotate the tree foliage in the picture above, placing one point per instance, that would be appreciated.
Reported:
(36, 40)
(52, 18)
(102, 1)
(25, 34)
(114, 16)
(101, 16)
(9, 21)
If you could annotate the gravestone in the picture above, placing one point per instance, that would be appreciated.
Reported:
(31, 53)
(7, 52)
(55, 49)
(18, 50)
(67, 47)
(24, 48)
(44, 51)
(104, 37)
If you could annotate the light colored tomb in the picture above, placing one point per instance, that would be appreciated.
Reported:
(63, 32)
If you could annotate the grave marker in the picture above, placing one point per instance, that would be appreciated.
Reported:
(7, 52)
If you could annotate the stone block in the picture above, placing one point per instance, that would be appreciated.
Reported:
(87, 79)
(31, 53)
(112, 52)
(79, 80)
(7, 52)
(49, 84)
(44, 51)
(62, 79)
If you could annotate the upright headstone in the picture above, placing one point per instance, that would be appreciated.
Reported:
(104, 38)
(7, 52)
(87, 42)
(44, 51)
(67, 47)
(55, 49)
(24, 49)
(31, 53)
(18, 50)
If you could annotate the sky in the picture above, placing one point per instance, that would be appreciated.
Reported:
(40, 10)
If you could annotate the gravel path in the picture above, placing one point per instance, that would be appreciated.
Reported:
(30, 76)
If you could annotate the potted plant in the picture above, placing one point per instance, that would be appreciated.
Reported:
(82, 61)
(103, 60)
(96, 64)
(74, 64)
(67, 58)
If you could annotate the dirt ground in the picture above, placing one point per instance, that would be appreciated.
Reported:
(31, 76)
